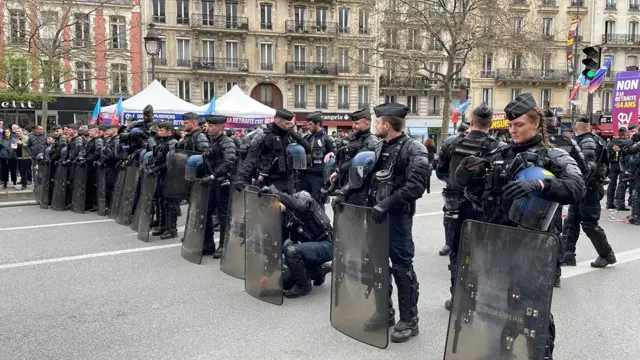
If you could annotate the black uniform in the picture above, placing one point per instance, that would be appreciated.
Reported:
(74, 149)
(194, 141)
(109, 159)
(93, 153)
(267, 155)
(321, 145)
(614, 149)
(220, 158)
(488, 180)
(168, 208)
(633, 154)
(587, 210)
(456, 207)
(395, 196)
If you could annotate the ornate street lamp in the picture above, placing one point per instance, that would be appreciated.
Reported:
(152, 43)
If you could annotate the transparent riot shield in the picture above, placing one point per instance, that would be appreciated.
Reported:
(502, 297)
(45, 185)
(37, 180)
(196, 220)
(175, 184)
(128, 193)
(59, 188)
(101, 190)
(135, 220)
(79, 198)
(263, 251)
(232, 262)
(116, 195)
(360, 279)
(147, 190)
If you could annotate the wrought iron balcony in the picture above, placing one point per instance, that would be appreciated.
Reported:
(610, 6)
(609, 77)
(634, 7)
(161, 62)
(621, 39)
(206, 21)
(322, 105)
(117, 44)
(363, 31)
(311, 27)
(221, 64)
(266, 26)
(548, 3)
(533, 75)
(180, 20)
(266, 66)
(311, 68)
(343, 69)
(183, 62)
(300, 104)
(343, 106)
(159, 19)
(577, 3)
(404, 82)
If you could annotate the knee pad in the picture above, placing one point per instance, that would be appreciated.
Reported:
(292, 253)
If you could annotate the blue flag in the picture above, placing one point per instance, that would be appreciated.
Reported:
(212, 106)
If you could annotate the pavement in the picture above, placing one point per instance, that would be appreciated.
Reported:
(11, 194)
(82, 287)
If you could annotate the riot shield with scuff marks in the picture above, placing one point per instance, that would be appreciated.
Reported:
(59, 188)
(128, 193)
(360, 279)
(45, 185)
(145, 204)
(232, 262)
(79, 198)
(101, 190)
(116, 195)
(196, 221)
(175, 184)
(37, 179)
(263, 250)
(502, 297)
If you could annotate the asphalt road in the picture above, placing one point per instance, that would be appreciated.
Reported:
(82, 287)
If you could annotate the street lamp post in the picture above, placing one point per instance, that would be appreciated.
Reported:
(152, 46)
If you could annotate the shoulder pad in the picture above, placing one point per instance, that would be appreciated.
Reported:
(414, 146)
(555, 153)
(499, 149)
(258, 139)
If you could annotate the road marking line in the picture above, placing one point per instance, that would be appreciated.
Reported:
(87, 256)
(584, 267)
(54, 225)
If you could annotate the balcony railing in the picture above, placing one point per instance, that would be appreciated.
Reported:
(181, 20)
(17, 40)
(161, 62)
(266, 66)
(311, 27)
(159, 18)
(548, 3)
(486, 74)
(311, 68)
(183, 62)
(343, 106)
(219, 22)
(433, 112)
(621, 39)
(117, 45)
(364, 69)
(220, 64)
(322, 105)
(610, 76)
(403, 82)
(363, 31)
(610, 6)
(344, 30)
(81, 43)
(266, 26)
(343, 69)
(300, 104)
(533, 74)
(634, 7)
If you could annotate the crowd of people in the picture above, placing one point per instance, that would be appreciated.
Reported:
(18, 149)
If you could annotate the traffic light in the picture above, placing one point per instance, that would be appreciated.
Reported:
(592, 62)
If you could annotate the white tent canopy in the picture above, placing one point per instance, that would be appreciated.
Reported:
(236, 103)
(162, 100)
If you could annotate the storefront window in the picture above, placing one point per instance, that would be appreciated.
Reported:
(20, 118)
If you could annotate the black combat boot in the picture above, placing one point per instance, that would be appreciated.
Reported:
(620, 205)
(320, 273)
(634, 218)
(610, 206)
(446, 250)
(162, 219)
(601, 262)
(156, 211)
(385, 315)
(569, 259)
(302, 285)
(172, 226)
(407, 285)
(219, 251)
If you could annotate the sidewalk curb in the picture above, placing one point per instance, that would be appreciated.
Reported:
(6, 204)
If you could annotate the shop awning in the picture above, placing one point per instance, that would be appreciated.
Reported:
(604, 129)
(418, 131)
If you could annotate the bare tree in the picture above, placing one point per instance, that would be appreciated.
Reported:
(416, 36)
(51, 43)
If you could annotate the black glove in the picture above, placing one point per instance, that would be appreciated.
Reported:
(239, 185)
(379, 213)
(205, 180)
(66, 162)
(517, 189)
(335, 203)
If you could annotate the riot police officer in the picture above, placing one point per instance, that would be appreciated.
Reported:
(633, 153)
(614, 149)
(311, 249)
(361, 139)
(489, 181)
(322, 149)
(109, 158)
(168, 208)
(586, 212)
(221, 160)
(402, 166)
(59, 143)
(268, 155)
(457, 208)
(74, 149)
(92, 153)
(195, 139)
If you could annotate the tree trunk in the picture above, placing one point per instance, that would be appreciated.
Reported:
(45, 111)
(446, 108)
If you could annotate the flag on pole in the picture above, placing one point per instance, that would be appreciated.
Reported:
(465, 105)
(212, 106)
(454, 115)
(96, 113)
(116, 117)
(599, 77)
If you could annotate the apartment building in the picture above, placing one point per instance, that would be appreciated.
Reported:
(94, 47)
(298, 55)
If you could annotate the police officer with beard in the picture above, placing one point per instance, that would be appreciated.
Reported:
(59, 143)
(194, 139)
(93, 153)
(323, 148)
(361, 139)
(168, 208)
(401, 169)
(586, 212)
(220, 158)
(268, 155)
(614, 149)
(457, 208)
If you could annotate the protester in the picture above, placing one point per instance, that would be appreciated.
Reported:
(23, 159)
(8, 159)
